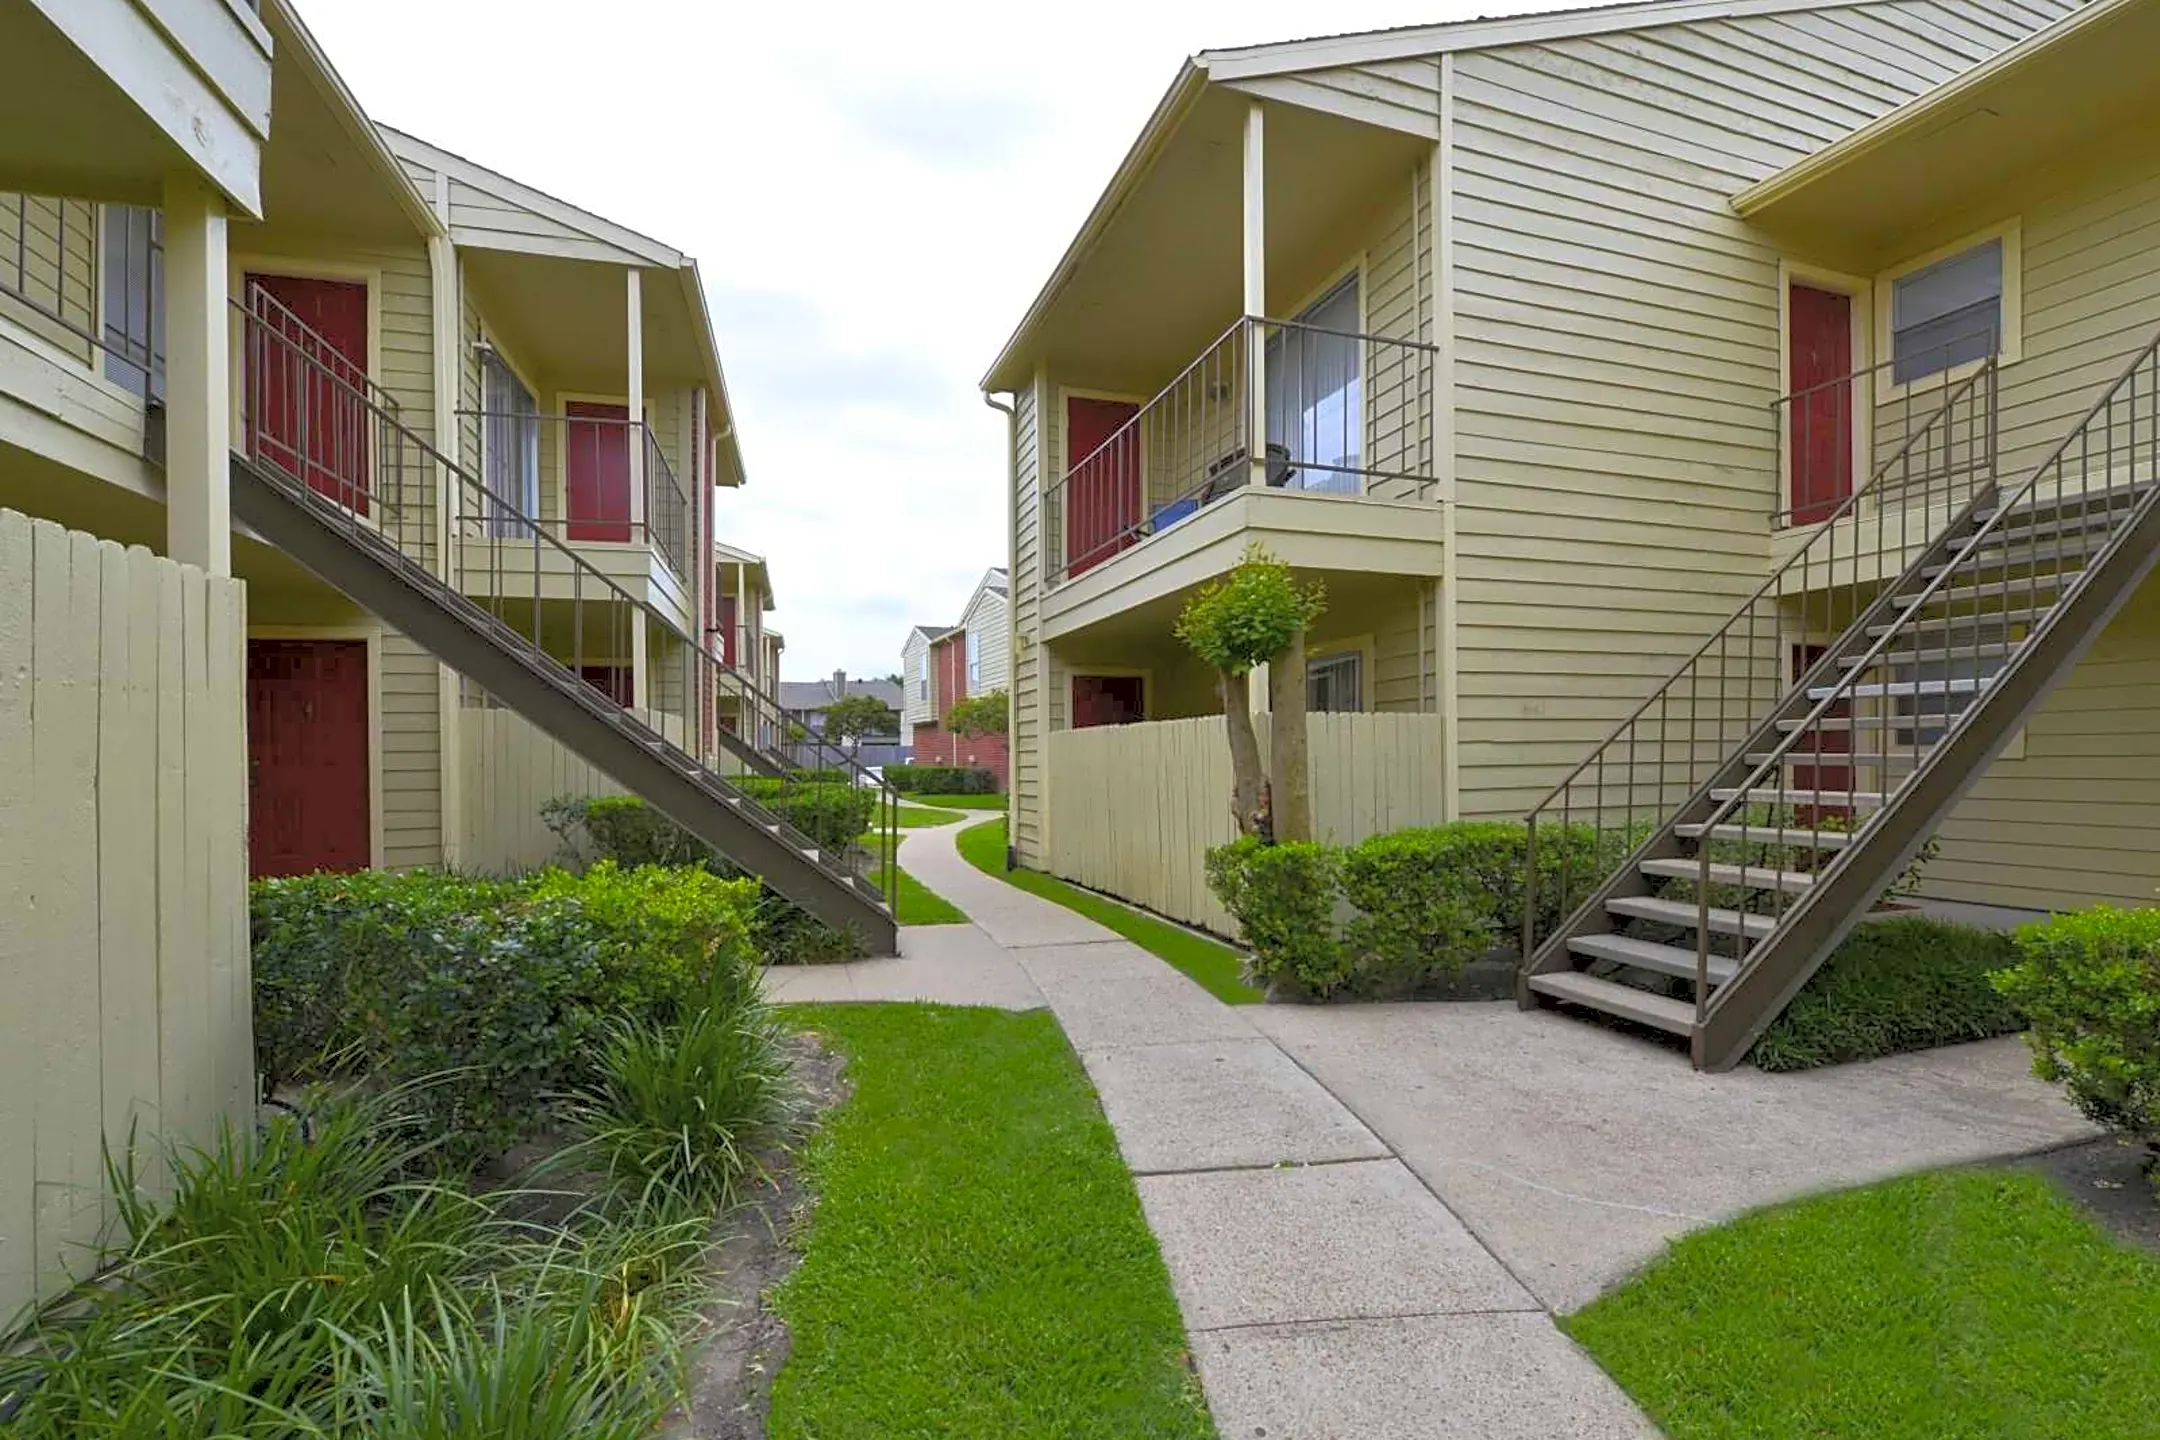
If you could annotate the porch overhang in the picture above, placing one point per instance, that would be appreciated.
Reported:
(102, 99)
(1307, 531)
(1156, 271)
(2075, 95)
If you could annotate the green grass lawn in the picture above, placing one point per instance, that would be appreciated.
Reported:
(960, 802)
(915, 817)
(978, 1267)
(918, 904)
(1959, 1305)
(1218, 968)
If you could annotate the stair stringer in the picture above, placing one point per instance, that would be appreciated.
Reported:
(421, 606)
(1777, 966)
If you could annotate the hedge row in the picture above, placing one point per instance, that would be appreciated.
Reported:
(941, 779)
(1393, 914)
(624, 830)
(503, 988)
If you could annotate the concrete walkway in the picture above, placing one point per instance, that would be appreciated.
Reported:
(1370, 1213)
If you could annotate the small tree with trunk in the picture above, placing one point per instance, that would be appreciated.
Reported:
(850, 719)
(1256, 615)
(980, 715)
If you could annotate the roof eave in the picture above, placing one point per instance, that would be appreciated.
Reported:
(1918, 114)
(1013, 367)
(362, 130)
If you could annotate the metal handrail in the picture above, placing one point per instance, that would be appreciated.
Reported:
(666, 526)
(1948, 456)
(1948, 570)
(76, 309)
(1200, 421)
(1799, 557)
(387, 498)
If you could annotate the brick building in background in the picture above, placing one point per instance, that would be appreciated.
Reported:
(942, 665)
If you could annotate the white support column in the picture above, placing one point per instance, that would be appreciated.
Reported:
(198, 378)
(1255, 291)
(449, 353)
(635, 386)
(640, 665)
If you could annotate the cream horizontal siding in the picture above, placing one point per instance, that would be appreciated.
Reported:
(486, 220)
(49, 269)
(1616, 347)
(411, 763)
(1394, 94)
(2076, 819)
(1030, 656)
(123, 881)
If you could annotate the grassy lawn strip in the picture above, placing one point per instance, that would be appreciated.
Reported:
(978, 1265)
(960, 802)
(1958, 1305)
(915, 817)
(917, 904)
(1219, 969)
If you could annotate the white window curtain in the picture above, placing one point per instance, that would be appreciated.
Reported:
(1313, 393)
(511, 447)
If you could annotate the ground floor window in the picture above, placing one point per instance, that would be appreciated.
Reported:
(1108, 700)
(1335, 682)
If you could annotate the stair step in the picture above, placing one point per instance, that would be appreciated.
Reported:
(1871, 759)
(1575, 988)
(1792, 882)
(1798, 838)
(1772, 795)
(1675, 960)
(1992, 560)
(2095, 502)
(2020, 592)
(2022, 615)
(1964, 685)
(1989, 649)
(1683, 913)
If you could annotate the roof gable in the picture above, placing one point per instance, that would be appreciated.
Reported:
(544, 224)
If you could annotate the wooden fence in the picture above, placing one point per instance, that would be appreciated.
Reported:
(124, 977)
(1134, 808)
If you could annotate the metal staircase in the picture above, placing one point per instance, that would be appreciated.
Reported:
(1695, 870)
(329, 473)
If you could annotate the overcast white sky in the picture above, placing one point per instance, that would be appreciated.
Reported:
(874, 192)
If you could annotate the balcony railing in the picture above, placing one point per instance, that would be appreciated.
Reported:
(573, 471)
(90, 278)
(1344, 414)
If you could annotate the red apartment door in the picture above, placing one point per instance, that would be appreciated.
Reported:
(598, 462)
(1107, 700)
(1819, 421)
(307, 756)
(308, 384)
(1102, 490)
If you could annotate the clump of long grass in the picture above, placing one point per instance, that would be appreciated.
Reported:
(686, 1109)
(325, 1286)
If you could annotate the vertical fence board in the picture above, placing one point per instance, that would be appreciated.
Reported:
(127, 854)
(20, 965)
(64, 721)
(221, 824)
(1139, 806)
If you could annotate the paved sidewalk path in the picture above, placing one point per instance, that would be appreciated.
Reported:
(1327, 1292)
(1370, 1213)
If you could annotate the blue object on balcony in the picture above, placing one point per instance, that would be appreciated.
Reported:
(1167, 515)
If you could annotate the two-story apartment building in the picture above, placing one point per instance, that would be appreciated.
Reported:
(1674, 367)
(357, 502)
(742, 598)
(944, 664)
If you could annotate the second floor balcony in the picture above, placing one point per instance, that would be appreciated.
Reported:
(1306, 435)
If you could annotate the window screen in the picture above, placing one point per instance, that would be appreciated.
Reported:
(1948, 313)
(1313, 393)
(134, 338)
(511, 448)
(1335, 683)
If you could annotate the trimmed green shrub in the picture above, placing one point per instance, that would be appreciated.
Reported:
(1419, 916)
(1284, 899)
(2090, 982)
(624, 829)
(504, 986)
(941, 779)
(1894, 985)
(830, 815)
